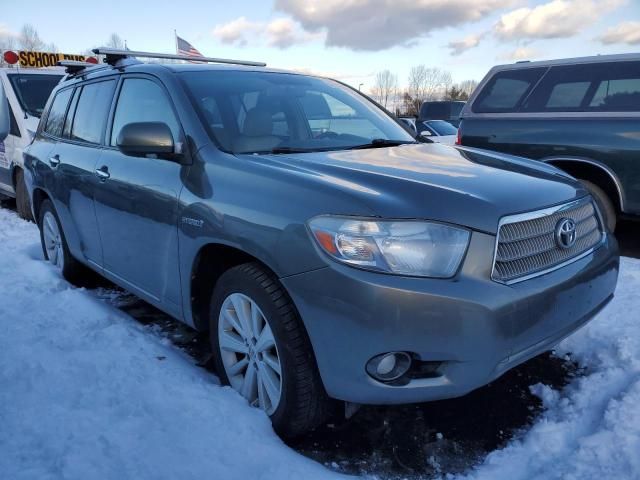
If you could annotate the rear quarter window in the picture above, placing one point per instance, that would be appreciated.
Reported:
(55, 117)
(506, 90)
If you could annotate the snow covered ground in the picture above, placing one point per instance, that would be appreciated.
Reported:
(86, 392)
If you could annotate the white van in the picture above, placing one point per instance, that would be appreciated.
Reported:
(27, 91)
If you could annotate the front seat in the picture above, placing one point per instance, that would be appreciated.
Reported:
(257, 133)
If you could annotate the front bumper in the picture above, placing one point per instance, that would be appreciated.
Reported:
(477, 328)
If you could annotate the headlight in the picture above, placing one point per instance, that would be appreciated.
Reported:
(423, 249)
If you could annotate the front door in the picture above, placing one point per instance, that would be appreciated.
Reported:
(136, 201)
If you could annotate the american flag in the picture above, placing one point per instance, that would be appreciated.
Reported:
(185, 48)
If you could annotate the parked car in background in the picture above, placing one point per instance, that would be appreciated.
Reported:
(447, 110)
(438, 131)
(328, 254)
(581, 115)
(26, 91)
(409, 122)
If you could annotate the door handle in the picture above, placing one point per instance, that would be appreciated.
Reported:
(54, 161)
(103, 173)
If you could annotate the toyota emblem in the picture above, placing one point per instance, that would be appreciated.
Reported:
(566, 233)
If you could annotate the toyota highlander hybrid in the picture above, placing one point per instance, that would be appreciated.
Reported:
(329, 255)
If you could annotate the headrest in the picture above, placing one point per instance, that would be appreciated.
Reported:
(258, 123)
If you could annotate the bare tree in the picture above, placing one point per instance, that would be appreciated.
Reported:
(115, 41)
(29, 39)
(384, 87)
(427, 84)
(467, 87)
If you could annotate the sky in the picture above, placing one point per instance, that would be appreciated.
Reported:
(346, 39)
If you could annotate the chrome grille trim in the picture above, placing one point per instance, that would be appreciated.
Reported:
(526, 246)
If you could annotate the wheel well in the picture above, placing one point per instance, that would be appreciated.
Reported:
(593, 173)
(39, 196)
(211, 262)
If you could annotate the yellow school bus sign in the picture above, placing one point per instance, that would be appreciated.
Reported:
(30, 59)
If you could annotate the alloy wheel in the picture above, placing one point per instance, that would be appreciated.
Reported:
(249, 352)
(53, 240)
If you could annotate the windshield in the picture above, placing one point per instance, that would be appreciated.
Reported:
(248, 112)
(441, 127)
(33, 91)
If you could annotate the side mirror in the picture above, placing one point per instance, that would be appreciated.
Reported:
(426, 133)
(146, 138)
(4, 114)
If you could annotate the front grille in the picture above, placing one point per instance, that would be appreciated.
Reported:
(527, 244)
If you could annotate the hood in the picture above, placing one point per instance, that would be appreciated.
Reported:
(458, 185)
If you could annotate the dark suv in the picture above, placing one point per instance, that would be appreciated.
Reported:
(447, 110)
(581, 115)
(328, 254)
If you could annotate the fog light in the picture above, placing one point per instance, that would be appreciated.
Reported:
(389, 366)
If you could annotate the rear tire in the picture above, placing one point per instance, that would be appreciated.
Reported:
(607, 209)
(302, 403)
(23, 206)
(55, 249)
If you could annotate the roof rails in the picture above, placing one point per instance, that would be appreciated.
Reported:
(112, 56)
(73, 67)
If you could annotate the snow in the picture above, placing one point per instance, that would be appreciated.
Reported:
(87, 392)
(590, 430)
(84, 393)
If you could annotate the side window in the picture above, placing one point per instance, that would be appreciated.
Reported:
(13, 125)
(91, 113)
(617, 95)
(55, 118)
(609, 87)
(143, 100)
(66, 131)
(506, 90)
(567, 95)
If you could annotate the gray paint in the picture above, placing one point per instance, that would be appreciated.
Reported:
(144, 226)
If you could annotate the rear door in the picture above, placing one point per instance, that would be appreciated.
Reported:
(78, 148)
(137, 201)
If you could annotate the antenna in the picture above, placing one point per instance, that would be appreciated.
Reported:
(114, 55)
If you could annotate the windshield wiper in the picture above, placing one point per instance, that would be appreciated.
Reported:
(380, 143)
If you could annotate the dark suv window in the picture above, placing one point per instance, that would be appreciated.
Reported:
(143, 100)
(506, 90)
(606, 87)
(91, 112)
(55, 118)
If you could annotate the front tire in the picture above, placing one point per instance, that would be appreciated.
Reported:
(54, 246)
(604, 204)
(262, 350)
(23, 206)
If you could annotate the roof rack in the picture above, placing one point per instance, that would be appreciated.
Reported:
(112, 56)
(73, 67)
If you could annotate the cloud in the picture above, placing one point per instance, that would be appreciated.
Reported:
(625, 32)
(235, 31)
(281, 32)
(555, 19)
(379, 24)
(458, 47)
(521, 53)
(6, 32)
